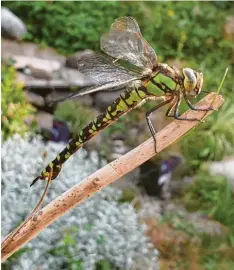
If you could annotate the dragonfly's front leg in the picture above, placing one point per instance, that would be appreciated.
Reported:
(170, 109)
(149, 122)
(176, 111)
(192, 107)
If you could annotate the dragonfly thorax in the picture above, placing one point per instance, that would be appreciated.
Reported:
(193, 81)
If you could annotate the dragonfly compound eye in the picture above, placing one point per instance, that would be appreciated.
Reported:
(190, 81)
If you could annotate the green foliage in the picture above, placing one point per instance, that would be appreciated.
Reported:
(69, 26)
(75, 113)
(211, 140)
(104, 265)
(212, 195)
(198, 250)
(14, 107)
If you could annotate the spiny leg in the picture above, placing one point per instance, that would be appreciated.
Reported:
(150, 125)
(192, 107)
(176, 112)
(170, 109)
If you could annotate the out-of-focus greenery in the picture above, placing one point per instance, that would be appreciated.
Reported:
(193, 249)
(191, 33)
(14, 106)
(211, 140)
(212, 195)
(76, 114)
(71, 263)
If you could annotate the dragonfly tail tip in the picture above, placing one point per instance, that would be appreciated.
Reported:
(34, 181)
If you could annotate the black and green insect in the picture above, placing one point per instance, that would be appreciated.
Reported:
(129, 63)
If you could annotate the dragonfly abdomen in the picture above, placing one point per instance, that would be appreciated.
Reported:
(126, 102)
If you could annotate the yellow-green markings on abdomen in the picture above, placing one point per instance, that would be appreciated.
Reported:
(123, 104)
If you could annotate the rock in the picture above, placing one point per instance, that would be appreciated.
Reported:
(176, 188)
(29, 120)
(48, 85)
(74, 77)
(200, 222)
(150, 207)
(11, 25)
(10, 48)
(22, 61)
(36, 73)
(128, 181)
(103, 99)
(71, 61)
(44, 120)
(34, 99)
(118, 149)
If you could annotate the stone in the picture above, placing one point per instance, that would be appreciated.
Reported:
(103, 99)
(74, 77)
(22, 61)
(12, 27)
(34, 98)
(44, 120)
(28, 49)
(71, 61)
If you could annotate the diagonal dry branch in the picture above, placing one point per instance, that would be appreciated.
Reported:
(106, 175)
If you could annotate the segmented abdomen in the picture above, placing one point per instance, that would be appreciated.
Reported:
(127, 101)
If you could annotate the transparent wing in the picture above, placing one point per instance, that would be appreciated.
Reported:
(102, 69)
(124, 41)
(105, 75)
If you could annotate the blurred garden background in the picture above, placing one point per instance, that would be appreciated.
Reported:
(136, 223)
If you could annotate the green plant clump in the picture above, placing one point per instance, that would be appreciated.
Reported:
(212, 195)
(14, 106)
(212, 140)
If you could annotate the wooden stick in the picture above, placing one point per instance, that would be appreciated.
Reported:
(106, 175)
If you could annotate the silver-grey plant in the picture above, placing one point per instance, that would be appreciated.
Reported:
(99, 229)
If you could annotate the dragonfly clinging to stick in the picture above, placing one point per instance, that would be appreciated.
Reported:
(129, 63)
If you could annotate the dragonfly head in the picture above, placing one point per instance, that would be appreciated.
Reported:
(193, 81)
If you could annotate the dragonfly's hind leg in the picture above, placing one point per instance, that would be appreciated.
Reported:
(149, 122)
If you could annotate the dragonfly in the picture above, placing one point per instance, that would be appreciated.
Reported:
(130, 64)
